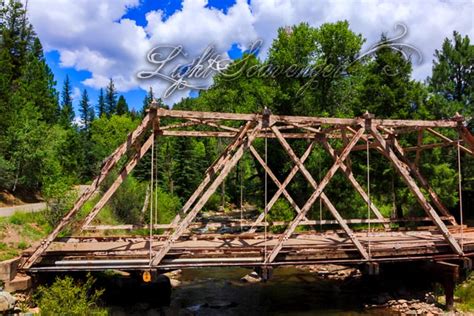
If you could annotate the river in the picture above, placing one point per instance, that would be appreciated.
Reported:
(219, 291)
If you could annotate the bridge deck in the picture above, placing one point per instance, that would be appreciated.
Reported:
(101, 253)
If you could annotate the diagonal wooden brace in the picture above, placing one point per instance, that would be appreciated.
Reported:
(424, 183)
(118, 181)
(317, 193)
(181, 228)
(107, 166)
(282, 187)
(350, 176)
(216, 166)
(416, 191)
(277, 182)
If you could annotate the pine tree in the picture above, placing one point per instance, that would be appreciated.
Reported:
(23, 67)
(86, 110)
(147, 100)
(67, 111)
(111, 98)
(452, 80)
(122, 106)
(388, 90)
(101, 107)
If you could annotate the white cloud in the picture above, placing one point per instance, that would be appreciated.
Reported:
(76, 94)
(92, 35)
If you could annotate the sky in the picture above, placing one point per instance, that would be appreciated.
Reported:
(94, 40)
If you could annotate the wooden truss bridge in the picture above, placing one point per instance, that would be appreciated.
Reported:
(439, 236)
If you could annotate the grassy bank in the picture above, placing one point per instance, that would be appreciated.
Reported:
(20, 231)
(465, 294)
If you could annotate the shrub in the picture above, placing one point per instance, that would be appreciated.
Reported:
(127, 202)
(465, 292)
(281, 211)
(168, 205)
(59, 198)
(23, 245)
(215, 202)
(67, 297)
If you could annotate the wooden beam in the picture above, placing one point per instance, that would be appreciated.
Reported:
(178, 125)
(229, 134)
(449, 141)
(283, 186)
(410, 167)
(239, 223)
(467, 136)
(180, 229)
(215, 167)
(350, 176)
(317, 193)
(416, 191)
(275, 180)
(301, 119)
(419, 142)
(107, 166)
(118, 181)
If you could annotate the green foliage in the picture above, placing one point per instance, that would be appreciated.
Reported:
(387, 89)
(168, 206)
(127, 202)
(110, 98)
(281, 211)
(453, 78)
(122, 106)
(108, 133)
(40, 150)
(22, 245)
(68, 297)
(59, 198)
(214, 203)
(190, 162)
(465, 292)
(67, 110)
(101, 107)
(86, 110)
(147, 100)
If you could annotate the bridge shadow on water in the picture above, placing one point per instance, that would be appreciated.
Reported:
(290, 291)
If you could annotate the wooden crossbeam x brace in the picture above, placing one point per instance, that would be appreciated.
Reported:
(184, 224)
(350, 176)
(424, 183)
(215, 168)
(283, 186)
(118, 181)
(318, 192)
(448, 141)
(277, 183)
(416, 191)
(107, 166)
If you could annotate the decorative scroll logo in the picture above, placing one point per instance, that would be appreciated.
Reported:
(196, 73)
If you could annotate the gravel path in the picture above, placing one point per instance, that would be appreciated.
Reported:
(33, 207)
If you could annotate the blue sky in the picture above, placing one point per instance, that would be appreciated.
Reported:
(135, 96)
(94, 40)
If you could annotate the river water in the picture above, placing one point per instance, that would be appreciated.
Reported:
(219, 291)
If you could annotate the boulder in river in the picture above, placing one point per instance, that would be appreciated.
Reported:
(252, 277)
